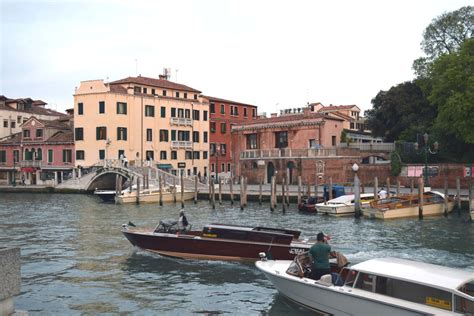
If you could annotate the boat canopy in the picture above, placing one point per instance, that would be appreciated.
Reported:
(417, 272)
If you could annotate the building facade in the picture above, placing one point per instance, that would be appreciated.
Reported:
(15, 112)
(302, 144)
(224, 114)
(146, 120)
(41, 154)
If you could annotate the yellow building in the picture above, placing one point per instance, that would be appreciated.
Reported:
(142, 119)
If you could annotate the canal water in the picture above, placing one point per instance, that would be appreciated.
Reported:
(76, 261)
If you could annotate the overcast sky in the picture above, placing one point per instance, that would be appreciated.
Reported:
(274, 54)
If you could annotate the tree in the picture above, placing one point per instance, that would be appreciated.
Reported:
(444, 35)
(400, 113)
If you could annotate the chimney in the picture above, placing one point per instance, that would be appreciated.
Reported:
(165, 77)
(274, 115)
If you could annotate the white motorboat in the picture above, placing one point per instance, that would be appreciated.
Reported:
(343, 205)
(152, 195)
(388, 286)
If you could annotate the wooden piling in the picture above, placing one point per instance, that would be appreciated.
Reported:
(182, 190)
(357, 209)
(420, 197)
(446, 196)
(388, 187)
(174, 189)
(316, 188)
(231, 183)
(458, 193)
(210, 182)
(283, 184)
(220, 191)
(287, 183)
(246, 191)
(272, 194)
(138, 190)
(412, 186)
(160, 184)
(299, 190)
(398, 187)
(330, 189)
(195, 189)
(376, 188)
(471, 200)
(260, 192)
(213, 195)
(309, 189)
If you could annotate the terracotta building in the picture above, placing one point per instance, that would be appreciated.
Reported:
(42, 153)
(14, 112)
(294, 144)
(142, 118)
(224, 114)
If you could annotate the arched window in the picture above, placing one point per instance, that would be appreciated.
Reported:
(39, 154)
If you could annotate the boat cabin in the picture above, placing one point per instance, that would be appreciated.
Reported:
(255, 234)
(417, 282)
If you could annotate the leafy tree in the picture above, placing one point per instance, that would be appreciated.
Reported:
(400, 113)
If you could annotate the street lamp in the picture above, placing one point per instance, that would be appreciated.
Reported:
(357, 209)
(427, 150)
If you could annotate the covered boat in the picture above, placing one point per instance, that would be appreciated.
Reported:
(343, 205)
(408, 206)
(218, 241)
(387, 286)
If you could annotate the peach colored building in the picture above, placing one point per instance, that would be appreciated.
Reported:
(142, 119)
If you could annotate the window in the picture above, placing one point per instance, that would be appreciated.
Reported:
(13, 124)
(149, 110)
(121, 108)
(222, 109)
(196, 155)
(149, 135)
(150, 154)
(164, 93)
(145, 90)
(120, 153)
(223, 128)
(212, 148)
(196, 115)
(185, 95)
(213, 127)
(5, 123)
(153, 91)
(101, 107)
(16, 155)
(213, 108)
(236, 110)
(188, 154)
(39, 154)
(80, 108)
(50, 156)
(187, 113)
(228, 167)
(101, 154)
(223, 149)
(26, 133)
(174, 155)
(3, 156)
(204, 154)
(121, 133)
(176, 94)
(231, 110)
(333, 140)
(173, 112)
(245, 112)
(67, 155)
(80, 155)
(183, 135)
(18, 119)
(180, 112)
(212, 168)
(173, 134)
(281, 139)
(313, 143)
(252, 141)
(196, 137)
(79, 133)
(163, 155)
(163, 135)
(137, 89)
(254, 112)
(205, 137)
(204, 115)
(222, 167)
(163, 111)
(195, 96)
(101, 132)
(352, 125)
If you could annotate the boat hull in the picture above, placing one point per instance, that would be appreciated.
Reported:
(428, 210)
(153, 197)
(331, 299)
(189, 246)
(336, 210)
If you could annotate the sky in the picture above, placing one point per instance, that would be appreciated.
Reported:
(273, 54)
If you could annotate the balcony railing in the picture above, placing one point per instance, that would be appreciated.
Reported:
(181, 121)
(288, 153)
(31, 163)
(181, 145)
(379, 147)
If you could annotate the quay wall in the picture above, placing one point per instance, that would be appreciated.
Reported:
(10, 278)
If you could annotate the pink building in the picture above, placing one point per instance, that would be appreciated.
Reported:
(42, 153)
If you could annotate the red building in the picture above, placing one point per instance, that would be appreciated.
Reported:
(223, 115)
(42, 153)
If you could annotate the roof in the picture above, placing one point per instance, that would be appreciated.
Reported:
(36, 108)
(418, 272)
(153, 82)
(336, 107)
(226, 101)
(62, 137)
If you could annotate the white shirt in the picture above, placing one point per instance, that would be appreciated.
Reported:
(382, 194)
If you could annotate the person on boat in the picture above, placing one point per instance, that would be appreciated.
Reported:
(382, 194)
(182, 221)
(320, 253)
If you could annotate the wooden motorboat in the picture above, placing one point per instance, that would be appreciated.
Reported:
(387, 286)
(343, 205)
(408, 206)
(218, 241)
(152, 195)
(308, 204)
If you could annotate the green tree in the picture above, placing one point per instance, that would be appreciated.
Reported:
(400, 113)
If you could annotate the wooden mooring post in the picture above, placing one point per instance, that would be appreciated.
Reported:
(287, 184)
(316, 188)
(398, 187)
(220, 191)
(421, 191)
(299, 190)
(195, 189)
(138, 190)
(245, 191)
(231, 190)
(388, 187)
(357, 209)
(376, 188)
(260, 192)
(458, 193)
(160, 184)
(241, 197)
(412, 186)
(330, 189)
(283, 185)
(182, 190)
(446, 196)
(213, 195)
(174, 190)
(471, 200)
(272, 194)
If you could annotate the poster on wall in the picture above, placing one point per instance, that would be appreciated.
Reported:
(468, 171)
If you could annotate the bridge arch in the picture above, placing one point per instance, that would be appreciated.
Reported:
(105, 178)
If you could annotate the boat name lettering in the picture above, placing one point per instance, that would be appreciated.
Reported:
(209, 235)
(436, 302)
(297, 251)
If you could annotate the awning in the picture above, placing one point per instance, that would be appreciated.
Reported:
(164, 166)
(28, 169)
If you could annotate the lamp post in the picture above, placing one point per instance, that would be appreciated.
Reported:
(427, 150)
(357, 210)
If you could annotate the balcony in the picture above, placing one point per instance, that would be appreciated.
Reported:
(376, 147)
(181, 121)
(31, 163)
(181, 145)
(288, 153)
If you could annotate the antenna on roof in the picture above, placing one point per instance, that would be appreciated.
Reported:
(167, 73)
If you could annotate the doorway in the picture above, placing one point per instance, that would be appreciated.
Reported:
(270, 172)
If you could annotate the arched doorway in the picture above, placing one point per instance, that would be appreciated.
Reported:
(270, 171)
(290, 166)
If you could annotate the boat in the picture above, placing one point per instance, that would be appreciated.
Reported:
(152, 195)
(106, 195)
(217, 241)
(308, 204)
(343, 205)
(385, 286)
(408, 206)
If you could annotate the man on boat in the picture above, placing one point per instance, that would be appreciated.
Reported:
(182, 221)
(320, 252)
(382, 194)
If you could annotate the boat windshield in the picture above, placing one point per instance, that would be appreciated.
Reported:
(462, 304)
(301, 265)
